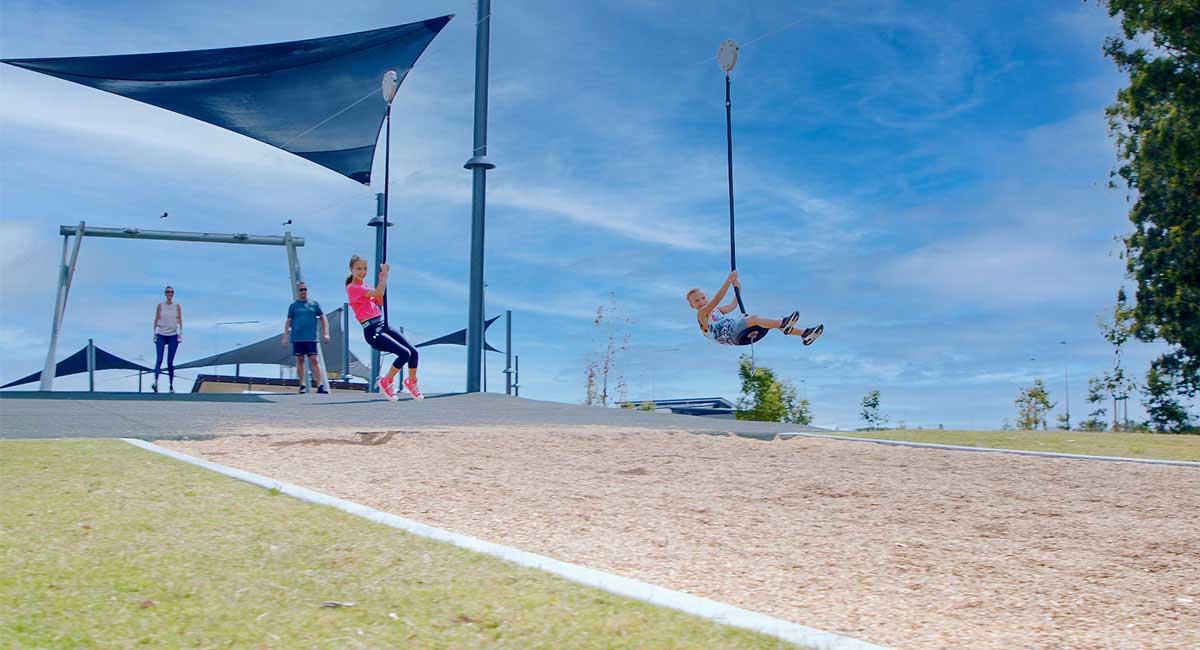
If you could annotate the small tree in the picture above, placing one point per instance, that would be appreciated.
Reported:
(1096, 396)
(870, 411)
(766, 398)
(1032, 406)
(613, 327)
(646, 406)
(1118, 331)
(1064, 421)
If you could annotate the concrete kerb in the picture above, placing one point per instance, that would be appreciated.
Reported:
(1022, 452)
(637, 590)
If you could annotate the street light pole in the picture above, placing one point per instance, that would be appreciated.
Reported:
(1067, 387)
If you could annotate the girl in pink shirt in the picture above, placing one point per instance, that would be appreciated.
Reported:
(365, 302)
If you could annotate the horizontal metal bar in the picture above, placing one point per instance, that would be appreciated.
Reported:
(172, 235)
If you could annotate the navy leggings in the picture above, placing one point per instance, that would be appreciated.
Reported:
(386, 339)
(171, 343)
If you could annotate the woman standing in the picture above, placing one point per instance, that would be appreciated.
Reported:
(168, 333)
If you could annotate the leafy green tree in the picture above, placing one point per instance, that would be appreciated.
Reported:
(1156, 124)
(870, 411)
(1033, 404)
(646, 406)
(1166, 414)
(765, 397)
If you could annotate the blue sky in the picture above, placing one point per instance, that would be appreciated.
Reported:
(928, 181)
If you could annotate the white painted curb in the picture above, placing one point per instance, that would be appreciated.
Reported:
(1022, 452)
(678, 600)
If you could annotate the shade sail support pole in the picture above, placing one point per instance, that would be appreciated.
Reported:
(66, 273)
(478, 164)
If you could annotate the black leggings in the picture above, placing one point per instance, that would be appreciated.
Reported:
(386, 339)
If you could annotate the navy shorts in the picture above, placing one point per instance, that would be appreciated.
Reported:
(304, 348)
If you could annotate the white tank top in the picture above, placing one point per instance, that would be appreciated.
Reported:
(168, 319)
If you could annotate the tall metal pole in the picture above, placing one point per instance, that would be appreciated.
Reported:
(65, 274)
(379, 224)
(478, 164)
(508, 369)
(1067, 387)
(387, 168)
(345, 341)
(91, 365)
(517, 376)
(729, 160)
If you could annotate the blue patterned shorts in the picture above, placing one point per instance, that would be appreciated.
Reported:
(727, 330)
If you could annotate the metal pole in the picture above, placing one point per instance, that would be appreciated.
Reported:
(345, 341)
(379, 222)
(517, 376)
(1067, 384)
(387, 166)
(91, 365)
(508, 382)
(175, 235)
(66, 273)
(729, 160)
(478, 164)
(48, 368)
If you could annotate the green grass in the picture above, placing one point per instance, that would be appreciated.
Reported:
(103, 545)
(1094, 443)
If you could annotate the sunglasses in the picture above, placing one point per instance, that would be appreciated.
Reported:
(169, 292)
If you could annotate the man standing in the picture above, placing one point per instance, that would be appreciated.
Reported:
(301, 326)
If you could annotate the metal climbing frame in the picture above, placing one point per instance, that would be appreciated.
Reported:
(67, 272)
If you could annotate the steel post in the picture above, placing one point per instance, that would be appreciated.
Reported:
(508, 369)
(478, 164)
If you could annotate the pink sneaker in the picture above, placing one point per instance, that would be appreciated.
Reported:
(388, 389)
(411, 385)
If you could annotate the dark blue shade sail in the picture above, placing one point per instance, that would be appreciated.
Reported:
(77, 363)
(318, 98)
(460, 337)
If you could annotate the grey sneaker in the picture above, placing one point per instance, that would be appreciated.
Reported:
(789, 322)
(303, 389)
(812, 334)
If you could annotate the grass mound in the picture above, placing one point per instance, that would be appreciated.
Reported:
(103, 545)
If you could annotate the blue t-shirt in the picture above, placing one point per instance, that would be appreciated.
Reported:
(304, 320)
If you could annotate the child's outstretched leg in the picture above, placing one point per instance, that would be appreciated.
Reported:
(785, 324)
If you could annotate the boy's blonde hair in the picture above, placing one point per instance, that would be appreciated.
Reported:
(688, 295)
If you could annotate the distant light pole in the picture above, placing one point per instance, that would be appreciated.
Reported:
(1067, 387)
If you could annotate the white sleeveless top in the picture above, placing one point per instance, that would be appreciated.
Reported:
(168, 319)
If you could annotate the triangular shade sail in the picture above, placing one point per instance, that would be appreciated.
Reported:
(318, 98)
(460, 337)
(272, 352)
(77, 363)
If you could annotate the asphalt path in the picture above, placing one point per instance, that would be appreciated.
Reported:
(150, 416)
